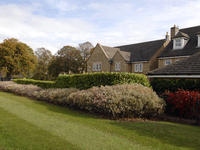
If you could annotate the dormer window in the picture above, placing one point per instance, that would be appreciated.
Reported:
(180, 40)
(178, 43)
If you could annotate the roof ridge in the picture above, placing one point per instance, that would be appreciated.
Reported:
(189, 27)
(110, 47)
(140, 43)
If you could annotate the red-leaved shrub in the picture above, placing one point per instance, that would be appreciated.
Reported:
(183, 103)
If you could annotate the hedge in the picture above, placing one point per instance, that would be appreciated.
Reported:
(42, 84)
(117, 101)
(162, 85)
(88, 80)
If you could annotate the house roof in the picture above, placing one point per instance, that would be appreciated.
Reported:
(125, 55)
(181, 34)
(188, 66)
(189, 49)
(110, 51)
(142, 51)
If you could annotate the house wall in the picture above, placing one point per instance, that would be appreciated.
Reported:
(98, 56)
(146, 67)
(161, 62)
(124, 67)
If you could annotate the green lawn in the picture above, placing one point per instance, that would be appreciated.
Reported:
(31, 125)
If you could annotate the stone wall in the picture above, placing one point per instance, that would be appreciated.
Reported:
(161, 61)
(146, 67)
(123, 65)
(98, 56)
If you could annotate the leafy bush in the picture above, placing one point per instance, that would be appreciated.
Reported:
(85, 81)
(183, 103)
(19, 89)
(42, 84)
(127, 100)
(56, 96)
(161, 85)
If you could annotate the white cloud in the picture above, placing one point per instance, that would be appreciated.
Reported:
(110, 23)
(150, 23)
(39, 31)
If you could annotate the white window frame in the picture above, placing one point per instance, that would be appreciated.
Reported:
(198, 45)
(178, 43)
(167, 62)
(97, 66)
(117, 66)
(138, 67)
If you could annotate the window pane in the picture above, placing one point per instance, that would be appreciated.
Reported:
(136, 67)
(178, 42)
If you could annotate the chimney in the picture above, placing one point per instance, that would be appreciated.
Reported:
(167, 37)
(174, 31)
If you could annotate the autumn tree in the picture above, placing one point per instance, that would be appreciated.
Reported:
(67, 60)
(44, 57)
(16, 58)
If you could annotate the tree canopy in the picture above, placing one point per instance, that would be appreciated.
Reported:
(16, 58)
(67, 60)
(44, 57)
(85, 49)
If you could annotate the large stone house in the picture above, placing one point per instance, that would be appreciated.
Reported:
(138, 58)
(147, 56)
(183, 44)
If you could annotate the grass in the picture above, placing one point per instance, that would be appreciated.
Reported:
(28, 125)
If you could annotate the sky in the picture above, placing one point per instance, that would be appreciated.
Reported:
(53, 24)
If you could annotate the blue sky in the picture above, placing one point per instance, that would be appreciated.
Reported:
(55, 23)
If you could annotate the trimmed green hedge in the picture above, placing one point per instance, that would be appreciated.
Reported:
(42, 84)
(85, 81)
(161, 85)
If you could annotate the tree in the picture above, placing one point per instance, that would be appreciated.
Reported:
(44, 57)
(16, 58)
(85, 49)
(67, 60)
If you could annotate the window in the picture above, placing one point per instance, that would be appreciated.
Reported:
(168, 62)
(177, 60)
(96, 67)
(198, 41)
(138, 67)
(117, 66)
(178, 43)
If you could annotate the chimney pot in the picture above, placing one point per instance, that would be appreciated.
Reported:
(174, 31)
(167, 36)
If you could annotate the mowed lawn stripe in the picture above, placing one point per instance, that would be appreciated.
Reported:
(86, 131)
(18, 134)
(76, 134)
